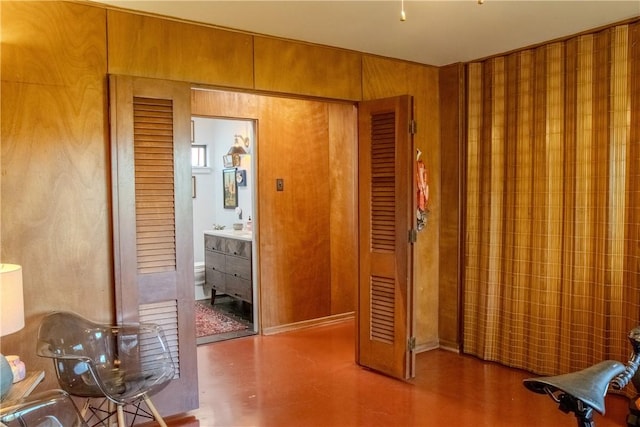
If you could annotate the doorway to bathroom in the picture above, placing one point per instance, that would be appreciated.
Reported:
(223, 194)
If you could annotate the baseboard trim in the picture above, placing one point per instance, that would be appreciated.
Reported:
(428, 346)
(452, 347)
(321, 321)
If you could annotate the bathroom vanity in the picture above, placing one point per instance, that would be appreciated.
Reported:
(227, 258)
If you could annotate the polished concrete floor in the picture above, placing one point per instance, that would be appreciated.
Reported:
(309, 378)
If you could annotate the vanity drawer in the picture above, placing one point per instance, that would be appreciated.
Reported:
(214, 243)
(214, 279)
(214, 261)
(238, 288)
(239, 248)
(239, 267)
(228, 267)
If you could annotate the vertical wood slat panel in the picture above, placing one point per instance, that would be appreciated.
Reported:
(537, 204)
(601, 180)
(154, 186)
(551, 241)
(554, 151)
(632, 214)
(524, 185)
(566, 327)
(495, 186)
(508, 273)
(472, 312)
(619, 152)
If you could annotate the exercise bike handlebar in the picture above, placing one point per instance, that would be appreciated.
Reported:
(621, 380)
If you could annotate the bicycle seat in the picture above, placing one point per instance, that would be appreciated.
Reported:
(588, 385)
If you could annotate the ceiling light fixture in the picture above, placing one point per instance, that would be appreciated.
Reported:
(403, 16)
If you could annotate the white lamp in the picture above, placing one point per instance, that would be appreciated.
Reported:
(11, 315)
(11, 300)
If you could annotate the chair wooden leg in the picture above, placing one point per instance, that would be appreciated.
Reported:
(85, 408)
(154, 411)
(111, 408)
(121, 417)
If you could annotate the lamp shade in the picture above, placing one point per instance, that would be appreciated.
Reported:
(237, 148)
(11, 299)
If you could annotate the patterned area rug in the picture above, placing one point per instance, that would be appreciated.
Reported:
(210, 322)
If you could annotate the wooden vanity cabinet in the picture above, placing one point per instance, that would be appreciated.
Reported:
(228, 267)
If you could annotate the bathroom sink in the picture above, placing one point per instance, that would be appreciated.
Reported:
(239, 234)
(243, 233)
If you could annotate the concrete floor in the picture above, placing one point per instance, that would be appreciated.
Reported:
(309, 378)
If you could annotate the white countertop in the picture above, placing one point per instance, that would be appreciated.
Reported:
(232, 234)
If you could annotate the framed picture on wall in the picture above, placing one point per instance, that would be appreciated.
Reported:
(241, 177)
(229, 188)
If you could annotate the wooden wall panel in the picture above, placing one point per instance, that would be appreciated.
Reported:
(343, 174)
(38, 48)
(383, 78)
(55, 198)
(217, 103)
(423, 85)
(451, 122)
(55, 217)
(303, 69)
(294, 223)
(307, 243)
(159, 48)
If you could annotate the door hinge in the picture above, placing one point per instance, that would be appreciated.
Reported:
(413, 127)
(411, 344)
(413, 236)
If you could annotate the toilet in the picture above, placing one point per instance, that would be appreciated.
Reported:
(198, 278)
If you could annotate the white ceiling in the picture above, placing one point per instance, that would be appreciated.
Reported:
(435, 32)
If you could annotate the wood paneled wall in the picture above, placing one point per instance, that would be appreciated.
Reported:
(151, 47)
(384, 78)
(310, 70)
(451, 125)
(307, 233)
(343, 218)
(55, 197)
(55, 181)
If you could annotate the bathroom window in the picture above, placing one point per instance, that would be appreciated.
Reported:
(198, 156)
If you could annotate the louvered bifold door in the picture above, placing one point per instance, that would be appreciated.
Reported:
(385, 210)
(152, 221)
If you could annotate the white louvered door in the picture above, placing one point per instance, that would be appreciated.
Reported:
(386, 200)
(152, 221)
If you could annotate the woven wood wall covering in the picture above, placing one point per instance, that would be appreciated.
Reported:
(552, 274)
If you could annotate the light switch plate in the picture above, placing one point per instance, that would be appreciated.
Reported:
(279, 184)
